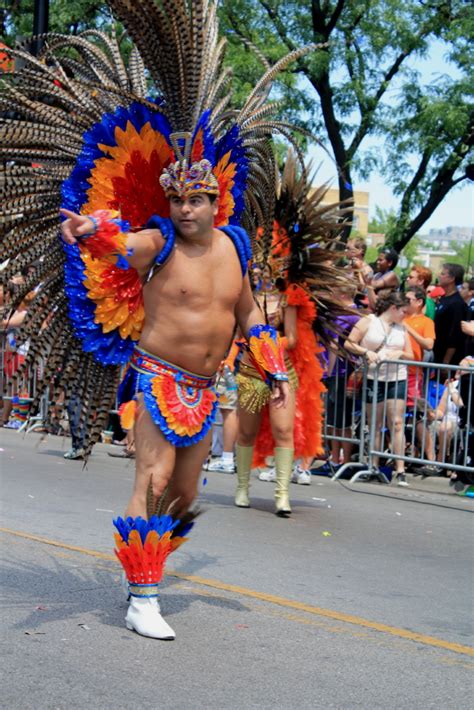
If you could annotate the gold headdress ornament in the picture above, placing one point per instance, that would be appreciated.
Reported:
(179, 179)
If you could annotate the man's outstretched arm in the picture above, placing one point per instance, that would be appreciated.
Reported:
(141, 247)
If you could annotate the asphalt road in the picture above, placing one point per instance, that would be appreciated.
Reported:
(363, 599)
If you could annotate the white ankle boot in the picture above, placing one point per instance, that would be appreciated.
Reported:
(143, 616)
(126, 590)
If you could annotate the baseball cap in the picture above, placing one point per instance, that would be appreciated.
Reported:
(436, 292)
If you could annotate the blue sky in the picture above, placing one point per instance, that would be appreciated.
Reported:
(457, 209)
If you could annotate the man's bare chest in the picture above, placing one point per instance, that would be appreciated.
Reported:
(196, 280)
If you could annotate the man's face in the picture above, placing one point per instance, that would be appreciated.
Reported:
(413, 279)
(414, 304)
(382, 263)
(444, 278)
(192, 216)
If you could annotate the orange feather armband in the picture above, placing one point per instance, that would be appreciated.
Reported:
(108, 238)
(267, 353)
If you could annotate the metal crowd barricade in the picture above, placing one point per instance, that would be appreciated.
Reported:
(345, 413)
(419, 433)
(23, 387)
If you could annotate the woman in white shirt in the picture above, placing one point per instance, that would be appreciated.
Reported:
(378, 338)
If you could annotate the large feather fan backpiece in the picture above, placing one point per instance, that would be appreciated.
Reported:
(83, 129)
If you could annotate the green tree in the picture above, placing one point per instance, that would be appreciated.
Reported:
(410, 250)
(465, 257)
(383, 220)
(65, 16)
(362, 85)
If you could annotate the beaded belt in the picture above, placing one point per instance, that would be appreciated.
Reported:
(148, 364)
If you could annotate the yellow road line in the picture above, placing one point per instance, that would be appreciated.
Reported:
(272, 599)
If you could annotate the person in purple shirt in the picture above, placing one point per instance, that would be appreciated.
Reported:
(339, 406)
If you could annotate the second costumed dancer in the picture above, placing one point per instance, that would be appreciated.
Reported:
(299, 278)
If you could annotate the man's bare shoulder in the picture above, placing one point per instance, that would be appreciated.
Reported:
(224, 240)
(219, 234)
(151, 234)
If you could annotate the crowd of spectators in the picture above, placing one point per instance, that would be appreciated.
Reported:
(434, 317)
(427, 318)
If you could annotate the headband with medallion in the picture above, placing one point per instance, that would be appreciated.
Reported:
(180, 179)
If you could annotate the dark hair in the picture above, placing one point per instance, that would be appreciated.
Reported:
(456, 271)
(418, 292)
(392, 299)
(280, 284)
(470, 284)
(391, 255)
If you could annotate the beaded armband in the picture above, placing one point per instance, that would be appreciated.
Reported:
(267, 353)
(108, 238)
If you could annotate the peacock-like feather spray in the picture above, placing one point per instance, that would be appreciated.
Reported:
(83, 129)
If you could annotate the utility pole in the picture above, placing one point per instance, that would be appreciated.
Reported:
(40, 24)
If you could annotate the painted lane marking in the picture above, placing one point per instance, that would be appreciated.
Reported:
(271, 599)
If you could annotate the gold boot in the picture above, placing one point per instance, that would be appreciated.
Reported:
(243, 455)
(284, 468)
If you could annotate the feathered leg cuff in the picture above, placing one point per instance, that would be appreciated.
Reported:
(143, 547)
(267, 353)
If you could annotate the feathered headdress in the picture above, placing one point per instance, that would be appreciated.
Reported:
(81, 133)
(305, 244)
(181, 178)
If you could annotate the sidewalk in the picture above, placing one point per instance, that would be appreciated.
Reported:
(433, 484)
(430, 485)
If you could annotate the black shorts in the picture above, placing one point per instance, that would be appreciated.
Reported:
(339, 407)
(386, 390)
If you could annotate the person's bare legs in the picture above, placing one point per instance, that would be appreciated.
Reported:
(249, 424)
(337, 445)
(230, 428)
(445, 434)
(395, 420)
(282, 422)
(130, 442)
(378, 427)
(154, 460)
(183, 486)
(425, 441)
(7, 409)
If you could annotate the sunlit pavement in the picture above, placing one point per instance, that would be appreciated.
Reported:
(361, 600)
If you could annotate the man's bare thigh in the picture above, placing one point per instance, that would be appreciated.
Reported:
(154, 455)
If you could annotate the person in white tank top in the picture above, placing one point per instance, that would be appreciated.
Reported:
(377, 338)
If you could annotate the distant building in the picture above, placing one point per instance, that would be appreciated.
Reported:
(360, 221)
(433, 259)
(375, 239)
(448, 238)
